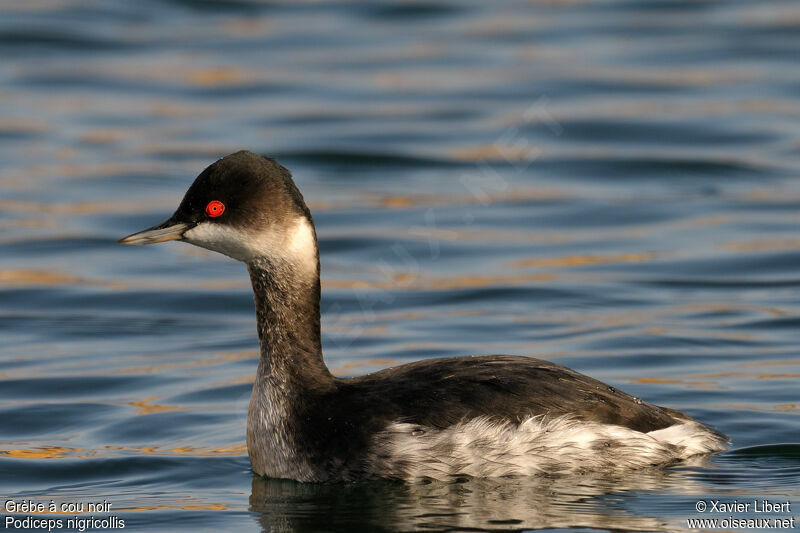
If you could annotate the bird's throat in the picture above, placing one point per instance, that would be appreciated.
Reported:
(287, 302)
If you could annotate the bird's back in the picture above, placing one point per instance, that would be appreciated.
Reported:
(507, 414)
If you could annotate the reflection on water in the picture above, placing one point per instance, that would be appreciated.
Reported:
(588, 501)
(470, 504)
(612, 185)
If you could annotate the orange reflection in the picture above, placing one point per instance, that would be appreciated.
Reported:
(582, 260)
(145, 407)
(216, 76)
(58, 452)
(186, 507)
(763, 245)
(45, 452)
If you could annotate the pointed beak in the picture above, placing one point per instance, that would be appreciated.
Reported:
(166, 231)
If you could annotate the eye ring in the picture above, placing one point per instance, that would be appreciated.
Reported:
(215, 208)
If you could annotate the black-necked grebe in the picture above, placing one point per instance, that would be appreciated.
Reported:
(483, 416)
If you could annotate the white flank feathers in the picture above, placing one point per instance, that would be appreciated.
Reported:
(483, 447)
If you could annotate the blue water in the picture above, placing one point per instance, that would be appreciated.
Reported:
(610, 184)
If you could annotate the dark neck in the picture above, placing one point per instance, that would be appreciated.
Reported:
(287, 310)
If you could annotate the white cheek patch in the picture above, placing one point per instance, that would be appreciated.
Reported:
(301, 243)
(297, 245)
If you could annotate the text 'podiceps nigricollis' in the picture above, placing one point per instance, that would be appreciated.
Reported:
(486, 416)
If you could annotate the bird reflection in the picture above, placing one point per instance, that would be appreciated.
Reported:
(586, 501)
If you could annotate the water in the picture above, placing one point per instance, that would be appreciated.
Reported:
(611, 185)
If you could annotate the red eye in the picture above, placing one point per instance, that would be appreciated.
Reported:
(215, 208)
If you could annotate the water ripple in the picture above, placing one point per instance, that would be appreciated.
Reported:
(611, 185)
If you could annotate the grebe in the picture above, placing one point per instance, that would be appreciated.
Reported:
(480, 416)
